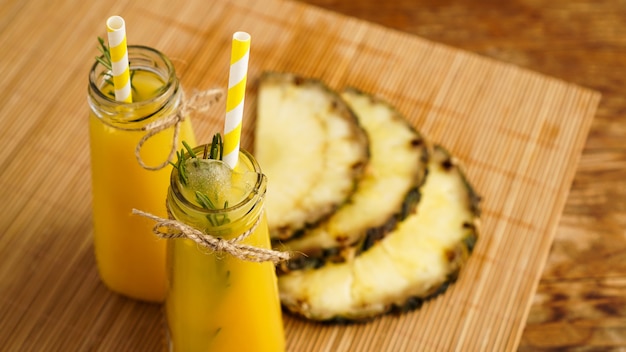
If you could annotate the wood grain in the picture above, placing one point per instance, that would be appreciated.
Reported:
(531, 133)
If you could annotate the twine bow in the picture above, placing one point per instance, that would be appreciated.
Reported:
(195, 103)
(217, 244)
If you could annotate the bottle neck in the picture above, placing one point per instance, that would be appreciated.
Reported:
(241, 216)
(153, 74)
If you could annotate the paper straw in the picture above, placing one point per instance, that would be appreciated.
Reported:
(116, 30)
(238, 75)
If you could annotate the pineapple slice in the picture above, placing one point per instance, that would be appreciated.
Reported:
(311, 147)
(386, 194)
(414, 262)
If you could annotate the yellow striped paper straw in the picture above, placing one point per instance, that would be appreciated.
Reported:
(116, 30)
(238, 75)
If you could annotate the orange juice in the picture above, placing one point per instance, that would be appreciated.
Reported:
(217, 302)
(130, 258)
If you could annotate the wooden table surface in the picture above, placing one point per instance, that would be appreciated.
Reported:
(580, 302)
(581, 299)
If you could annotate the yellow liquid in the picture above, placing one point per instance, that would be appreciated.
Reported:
(217, 302)
(130, 258)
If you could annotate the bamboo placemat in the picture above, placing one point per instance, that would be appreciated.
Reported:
(518, 135)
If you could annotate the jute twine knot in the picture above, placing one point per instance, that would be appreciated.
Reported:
(200, 102)
(233, 246)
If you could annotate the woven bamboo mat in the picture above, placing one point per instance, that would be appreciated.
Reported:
(518, 134)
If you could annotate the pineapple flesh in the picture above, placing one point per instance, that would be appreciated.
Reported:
(310, 146)
(385, 195)
(414, 262)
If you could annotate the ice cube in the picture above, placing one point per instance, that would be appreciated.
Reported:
(209, 177)
(217, 181)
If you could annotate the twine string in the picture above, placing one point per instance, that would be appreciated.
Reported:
(233, 246)
(199, 102)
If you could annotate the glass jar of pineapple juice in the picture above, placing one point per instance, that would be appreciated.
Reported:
(130, 260)
(216, 301)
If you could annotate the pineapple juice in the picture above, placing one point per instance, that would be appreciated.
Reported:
(217, 302)
(130, 258)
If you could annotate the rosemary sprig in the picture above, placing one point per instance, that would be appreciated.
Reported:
(190, 150)
(181, 166)
(105, 58)
(217, 147)
(214, 219)
(215, 151)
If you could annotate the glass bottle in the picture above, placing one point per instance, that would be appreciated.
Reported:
(130, 259)
(218, 302)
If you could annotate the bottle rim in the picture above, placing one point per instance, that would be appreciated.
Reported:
(149, 59)
(254, 196)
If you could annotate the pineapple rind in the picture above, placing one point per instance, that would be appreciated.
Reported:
(416, 261)
(384, 195)
(311, 147)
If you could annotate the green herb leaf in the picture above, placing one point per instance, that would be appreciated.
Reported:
(217, 147)
(217, 331)
(204, 200)
(215, 151)
(206, 203)
(189, 150)
(182, 168)
(227, 278)
(105, 58)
